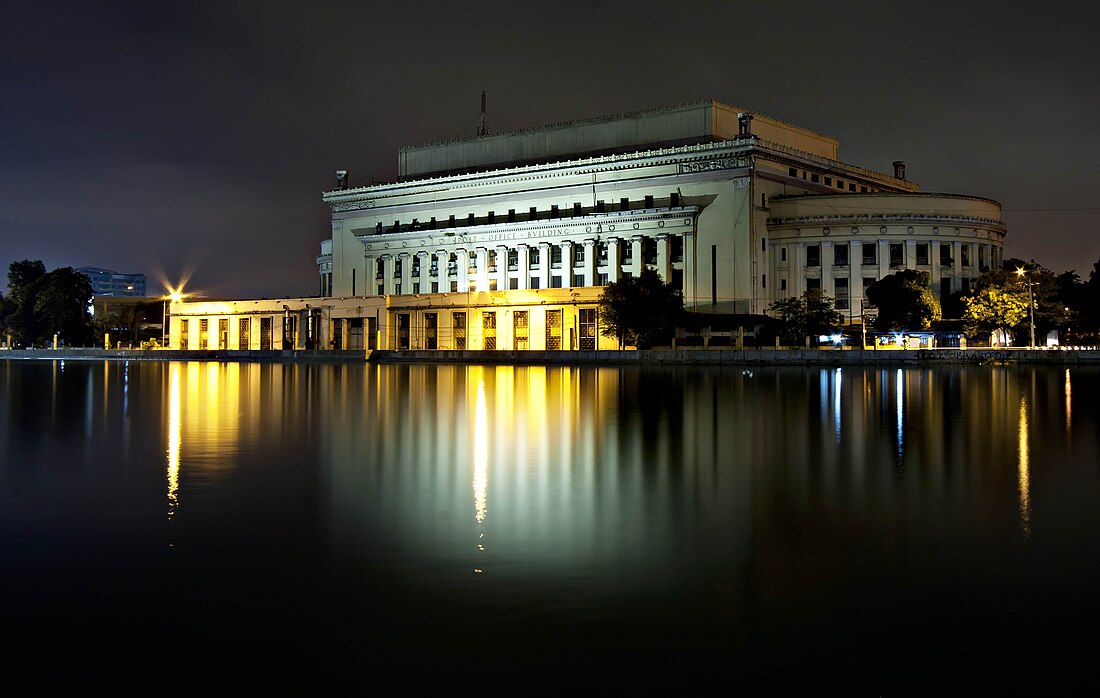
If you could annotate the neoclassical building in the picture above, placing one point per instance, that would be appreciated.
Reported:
(505, 240)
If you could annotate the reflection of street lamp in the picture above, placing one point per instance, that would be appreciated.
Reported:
(1022, 273)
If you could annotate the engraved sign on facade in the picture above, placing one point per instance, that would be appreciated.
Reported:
(718, 164)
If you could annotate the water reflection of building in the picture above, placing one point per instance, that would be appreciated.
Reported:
(504, 241)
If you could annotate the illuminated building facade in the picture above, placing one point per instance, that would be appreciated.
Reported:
(521, 231)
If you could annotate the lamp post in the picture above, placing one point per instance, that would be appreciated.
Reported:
(175, 297)
(1022, 273)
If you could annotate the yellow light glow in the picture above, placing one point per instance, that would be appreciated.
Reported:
(174, 422)
(1023, 468)
(481, 454)
(1069, 403)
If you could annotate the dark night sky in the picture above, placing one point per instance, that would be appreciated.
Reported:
(196, 138)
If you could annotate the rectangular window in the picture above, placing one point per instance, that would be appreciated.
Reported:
(840, 293)
(828, 181)
(922, 253)
(458, 327)
(897, 254)
(782, 284)
(553, 330)
(965, 255)
(435, 287)
(945, 255)
(813, 255)
(403, 322)
(587, 329)
(519, 329)
(813, 284)
(763, 281)
(243, 333)
(534, 283)
(204, 333)
(431, 330)
(337, 341)
(372, 333)
(851, 186)
(184, 339)
(840, 255)
(783, 254)
(265, 333)
(489, 330)
(870, 253)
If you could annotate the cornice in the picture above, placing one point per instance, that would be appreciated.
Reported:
(616, 224)
(889, 218)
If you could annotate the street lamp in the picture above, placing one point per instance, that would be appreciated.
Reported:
(1022, 273)
(175, 297)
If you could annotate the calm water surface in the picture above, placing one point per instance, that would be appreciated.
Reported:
(333, 529)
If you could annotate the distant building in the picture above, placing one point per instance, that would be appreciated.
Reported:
(505, 241)
(110, 283)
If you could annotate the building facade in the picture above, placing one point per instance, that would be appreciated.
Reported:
(111, 283)
(486, 240)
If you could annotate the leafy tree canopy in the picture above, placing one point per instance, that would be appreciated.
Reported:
(808, 315)
(993, 308)
(42, 303)
(640, 310)
(904, 301)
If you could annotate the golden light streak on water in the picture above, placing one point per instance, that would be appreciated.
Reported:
(1069, 403)
(174, 424)
(481, 454)
(1023, 468)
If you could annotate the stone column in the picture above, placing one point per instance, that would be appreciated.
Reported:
(934, 265)
(689, 270)
(957, 265)
(636, 250)
(502, 268)
(481, 276)
(387, 274)
(366, 285)
(664, 261)
(910, 254)
(589, 263)
(566, 263)
(797, 270)
(544, 265)
(827, 285)
(613, 259)
(883, 258)
(463, 258)
(425, 278)
(523, 259)
(406, 272)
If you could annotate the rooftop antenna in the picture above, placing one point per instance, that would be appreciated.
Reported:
(481, 130)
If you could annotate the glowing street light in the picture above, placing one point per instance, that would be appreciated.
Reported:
(1022, 273)
(175, 295)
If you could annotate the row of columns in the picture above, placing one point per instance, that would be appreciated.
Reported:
(477, 277)
(981, 254)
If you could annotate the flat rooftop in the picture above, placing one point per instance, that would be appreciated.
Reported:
(685, 124)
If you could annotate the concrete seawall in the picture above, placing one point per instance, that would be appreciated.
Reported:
(793, 357)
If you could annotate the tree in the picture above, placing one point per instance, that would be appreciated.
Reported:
(21, 321)
(808, 315)
(62, 304)
(640, 310)
(904, 301)
(994, 308)
(41, 304)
